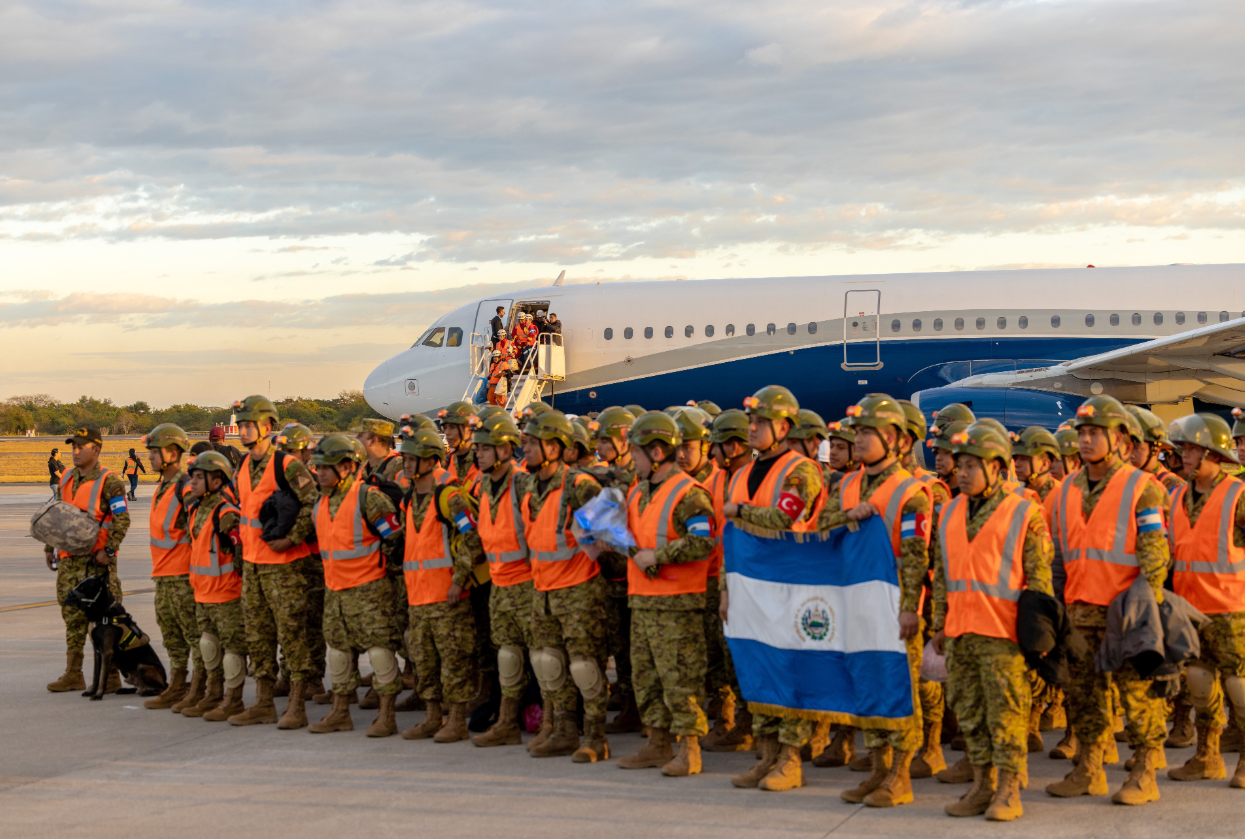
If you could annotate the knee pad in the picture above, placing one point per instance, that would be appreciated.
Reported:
(340, 665)
(235, 669)
(384, 665)
(1234, 687)
(588, 677)
(550, 666)
(509, 665)
(1201, 685)
(209, 646)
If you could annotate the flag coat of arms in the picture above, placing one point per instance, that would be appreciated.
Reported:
(813, 625)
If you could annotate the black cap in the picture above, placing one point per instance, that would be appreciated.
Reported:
(85, 434)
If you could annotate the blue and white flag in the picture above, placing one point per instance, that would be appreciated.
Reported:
(813, 625)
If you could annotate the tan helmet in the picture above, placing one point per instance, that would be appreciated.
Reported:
(840, 430)
(693, 423)
(1067, 439)
(1152, 427)
(551, 425)
(211, 462)
(458, 413)
(613, 422)
(709, 407)
(295, 436)
(1035, 440)
(878, 410)
(1238, 423)
(809, 424)
(255, 409)
(1210, 431)
(408, 425)
(1102, 411)
(334, 448)
(955, 412)
(942, 440)
(916, 419)
(655, 427)
(497, 430)
(773, 402)
(731, 424)
(983, 440)
(423, 444)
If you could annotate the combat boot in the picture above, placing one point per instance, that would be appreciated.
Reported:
(384, 725)
(546, 726)
(896, 789)
(1238, 777)
(314, 686)
(1066, 748)
(768, 748)
(788, 773)
(175, 690)
(881, 759)
(337, 719)
(1054, 717)
(817, 743)
(563, 740)
(413, 702)
(1111, 755)
(370, 700)
(282, 687)
(230, 706)
(841, 749)
(977, 800)
(295, 715)
(504, 732)
(433, 720)
(1183, 731)
(655, 753)
(1006, 806)
(1141, 786)
(1207, 762)
(628, 719)
(193, 694)
(263, 712)
(597, 746)
(1231, 739)
(929, 759)
(484, 690)
(687, 761)
(1035, 731)
(863, 762)
(960, 773)
(212, 695)
(455, 727)
(738, 739)
(1086, 778)
(1160, 760)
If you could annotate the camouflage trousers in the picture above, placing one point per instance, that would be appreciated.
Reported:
(1090, 707)
(274, 600)
(719, 669)
(510, 625)
(573, 620)
(73, 570)
(988, 684)
(1223, 652)
(668, 658)
(442, 645)
(355, 620)
(313, 572)
(179, 626)
(790, 731)
(225, 621)
(932, 694)
(618, 633)
(907, 738)
(397, 582)
(485, 654)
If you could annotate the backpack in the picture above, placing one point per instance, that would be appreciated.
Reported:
(395, 494)
(280, 510)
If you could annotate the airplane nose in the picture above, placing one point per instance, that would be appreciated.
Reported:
(376, 389)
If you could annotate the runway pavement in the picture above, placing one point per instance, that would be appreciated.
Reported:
(69, 767)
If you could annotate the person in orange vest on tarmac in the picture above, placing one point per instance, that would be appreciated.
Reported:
(1108, 530)
(132, 465)
(1208, 539)
(991, 546)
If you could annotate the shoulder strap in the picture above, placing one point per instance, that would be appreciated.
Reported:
(278, 470)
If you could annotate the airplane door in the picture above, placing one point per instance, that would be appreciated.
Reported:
(862, 345)
(485, 313)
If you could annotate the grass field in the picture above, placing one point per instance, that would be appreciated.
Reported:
(25, 459)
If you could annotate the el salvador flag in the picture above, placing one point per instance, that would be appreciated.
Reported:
(813, 625)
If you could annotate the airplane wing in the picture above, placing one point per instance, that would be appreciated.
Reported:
(1208, 363)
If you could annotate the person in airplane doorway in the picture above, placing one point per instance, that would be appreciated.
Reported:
(1069, 455)
(980, 569)
(1109, 530)
(132, 465)
(1208, 535)
(883, 487)
(779, 490)
(497, 324)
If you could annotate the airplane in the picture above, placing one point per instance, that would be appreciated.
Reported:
(1025, 346)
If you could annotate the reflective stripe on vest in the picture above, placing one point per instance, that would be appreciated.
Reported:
(167, 525)
(1223, 563)
(410, 562)
(784, 469)
(562, 552)
(516, 522)
(214, 567)
(1117, 554)
(1000, 589)
(92, 504)
(890, 516)
(360, 549)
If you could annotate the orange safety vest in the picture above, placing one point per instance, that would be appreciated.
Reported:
(254, 548)
(86, 498)
(1100, 555)
(502, 538)
(716, 485)
(170, 547)
(890, 498)
(1048, 505)
(351, 552)
(985, 575)
(931, 479)
(770, 491)
(1210, 568)
(556, 559)
(1020, 490)
(131, 466)
(428, 564)
(213, 581)
(651, 529)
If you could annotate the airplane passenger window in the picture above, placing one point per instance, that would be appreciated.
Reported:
(435, 339)
(959, 324)
(916, 324)
(1089, 320)
(628, 332)
(609, 334)
(791, 329)
(1002, 323)
(1023, 321)
(1158, 318)
(709, 330)
(938, 324)
(812, 327)
(894, 326)
(730, 330)
(1180, 318)
(751, 330)
(1201, 317)
(648, 332)
(1223, 316)
(981, 323)
(770, 329)
(689, 331)
(1115, 320)
(1054, 321)
(1136, 319)
(669, 331)
(455, 337)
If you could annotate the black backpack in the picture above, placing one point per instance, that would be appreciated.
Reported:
(394, 493)
(281, 509)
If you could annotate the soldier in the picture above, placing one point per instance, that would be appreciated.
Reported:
(442, 550)
(457, 421)
(376, 437)
(582, 455)
(215, 577)
(1069, 455)
(955, 412)
(1146, 450)
(274, 594)
(1208, 535)
(944, 460)
(840, 439)
(170, 564)
(132, 465)
(1109, 529)
(780, 490)
(352, 520)
(709, 407)
(667, 580)
(885, 488)
(568, 607)
(914, 437)
(980, 569)
(99, 493)
(810, 430)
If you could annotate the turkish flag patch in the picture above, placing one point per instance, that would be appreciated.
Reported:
(791, 504)
(235, 537)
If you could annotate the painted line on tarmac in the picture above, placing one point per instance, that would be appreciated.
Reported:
(54, 603)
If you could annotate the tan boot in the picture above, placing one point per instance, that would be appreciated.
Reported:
(455, 727)
(1054, 717)
(1035, 730)
(723, 723)
(433, 720)
(1183, 731)
(1238, 777)
(842, 748)
(546, 726)
(1207, 763)
(212, 695)
(282, 687)
(1141, 786)
(977, 800)
(896, 789)
(687, 761)
(1112, 754)
(863, 762)
(817, 743)
(788, 773)
(768, 748)
(314, 686)
(1066, 748)
(960, 773)
(738, 738)
(337, 719)
(1005, 806)
(504, 732)
(170, 695)
(929, 759)
(71, 679)
(229, 707)
(563, 740)
(1160, 760)
(484, 691)
(596, 746)
(370, 700)
(193, 694)
(628, 718)
(384, 725)
(295, 715)
(1087, 778)
(1231, 736)
(263, 712)
(655, 753)
(880, 759)
(411, 702)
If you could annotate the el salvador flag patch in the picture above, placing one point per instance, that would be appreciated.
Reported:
(117, 505)
(1150, 520)
(464, 522)
(699, 526)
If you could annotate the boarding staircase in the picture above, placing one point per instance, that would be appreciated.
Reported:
(534, 379)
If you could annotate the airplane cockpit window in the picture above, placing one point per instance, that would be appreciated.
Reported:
(455, 338)
(648, 332)
(709, 330)
(751, 330)
(1180, 318)
(423, 337)
(1158, 318)
(435, 338)
(1054, 321)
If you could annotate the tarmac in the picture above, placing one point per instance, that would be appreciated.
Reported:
(70, 767)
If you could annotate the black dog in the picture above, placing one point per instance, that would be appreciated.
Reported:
(117, 640)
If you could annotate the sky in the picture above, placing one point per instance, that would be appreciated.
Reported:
(204, 200)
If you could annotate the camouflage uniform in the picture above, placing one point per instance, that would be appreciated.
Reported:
(987, 679)
(390, 469)
(614, 570)
(510, 607)
(932, 694)
(1044, 694)
(224, 620)
(74, 569)
(312, 568)
(461, 464)
(719, 670)
(175, 599)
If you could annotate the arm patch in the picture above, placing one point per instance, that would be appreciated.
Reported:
(914, 525)
(117, 505)
(1150, 520)
(699, 526)
(791, 504)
